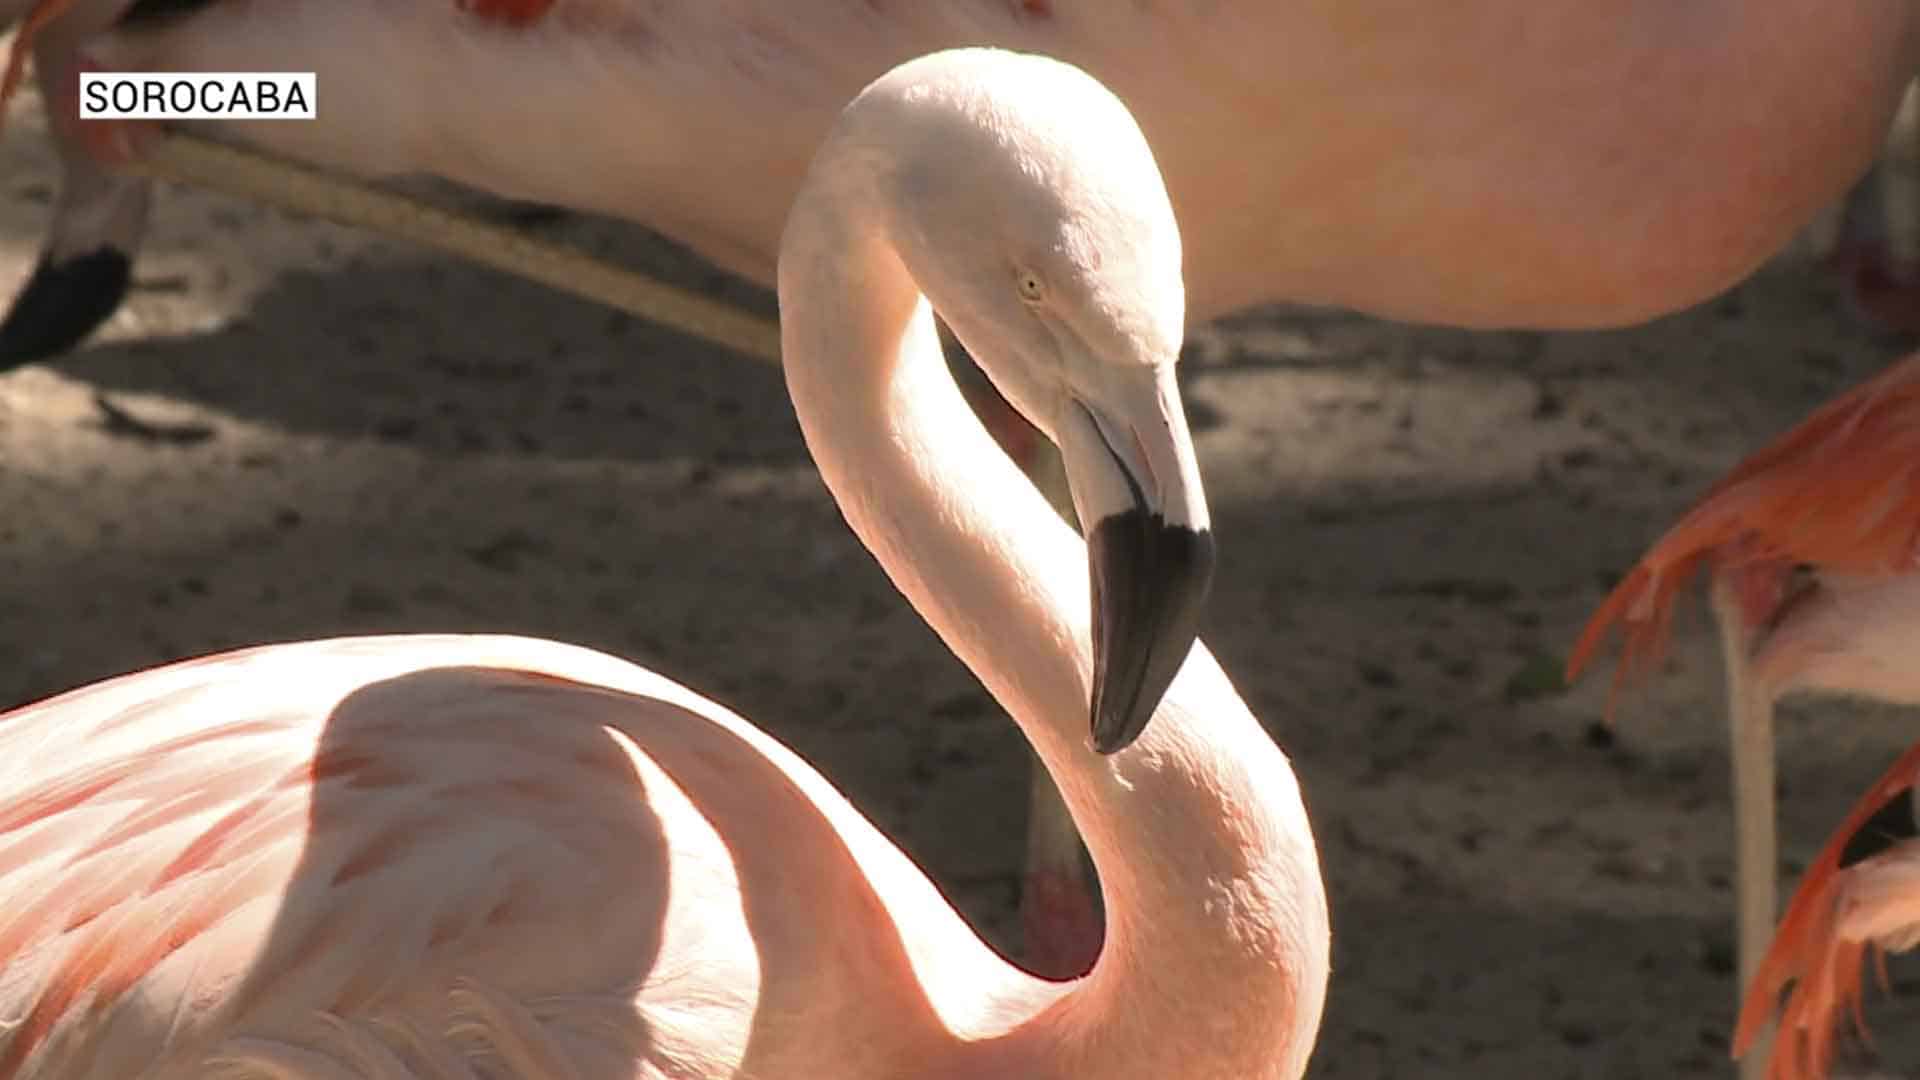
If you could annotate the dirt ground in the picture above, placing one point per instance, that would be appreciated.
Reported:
(314, 432)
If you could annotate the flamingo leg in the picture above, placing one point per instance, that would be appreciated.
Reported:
(1756, 856)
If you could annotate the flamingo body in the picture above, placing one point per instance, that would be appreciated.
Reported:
(387, 849)
(1318, 151)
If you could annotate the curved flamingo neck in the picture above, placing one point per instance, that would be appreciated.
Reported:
(1216, 962)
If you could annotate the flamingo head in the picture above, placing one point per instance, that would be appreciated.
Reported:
(1046, 240)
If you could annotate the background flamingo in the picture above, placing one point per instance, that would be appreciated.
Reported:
(1811, 543)
(1859, 896)
(1686, 150)
(275, 795)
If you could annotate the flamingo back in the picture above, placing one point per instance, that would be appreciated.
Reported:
(384, 857)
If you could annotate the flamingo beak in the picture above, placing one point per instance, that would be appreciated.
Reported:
(1136, 485)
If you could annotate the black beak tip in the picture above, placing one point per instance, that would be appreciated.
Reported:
(1150, 584)
(1114, 733)
(1119, 732)
(62, 303)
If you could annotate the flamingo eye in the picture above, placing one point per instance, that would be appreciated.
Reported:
(1032, 289)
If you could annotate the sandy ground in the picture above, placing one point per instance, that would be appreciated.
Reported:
(334, 434)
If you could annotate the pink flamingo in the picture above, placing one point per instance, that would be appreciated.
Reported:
(1570, 162)
(436, 855)
(1811, 543)
(1862, 894)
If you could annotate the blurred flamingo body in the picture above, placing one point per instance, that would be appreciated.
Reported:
(443, 856)
(1621, 159)
(1812, 544)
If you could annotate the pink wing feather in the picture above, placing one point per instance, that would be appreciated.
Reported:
(1813, 949)
(1840, 491)
(229, 848)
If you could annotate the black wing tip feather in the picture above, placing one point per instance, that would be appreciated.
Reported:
(61, 304)
(150, 12)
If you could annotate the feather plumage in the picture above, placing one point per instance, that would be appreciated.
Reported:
(1840, 491)
(1843, 911)
(374, 854)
